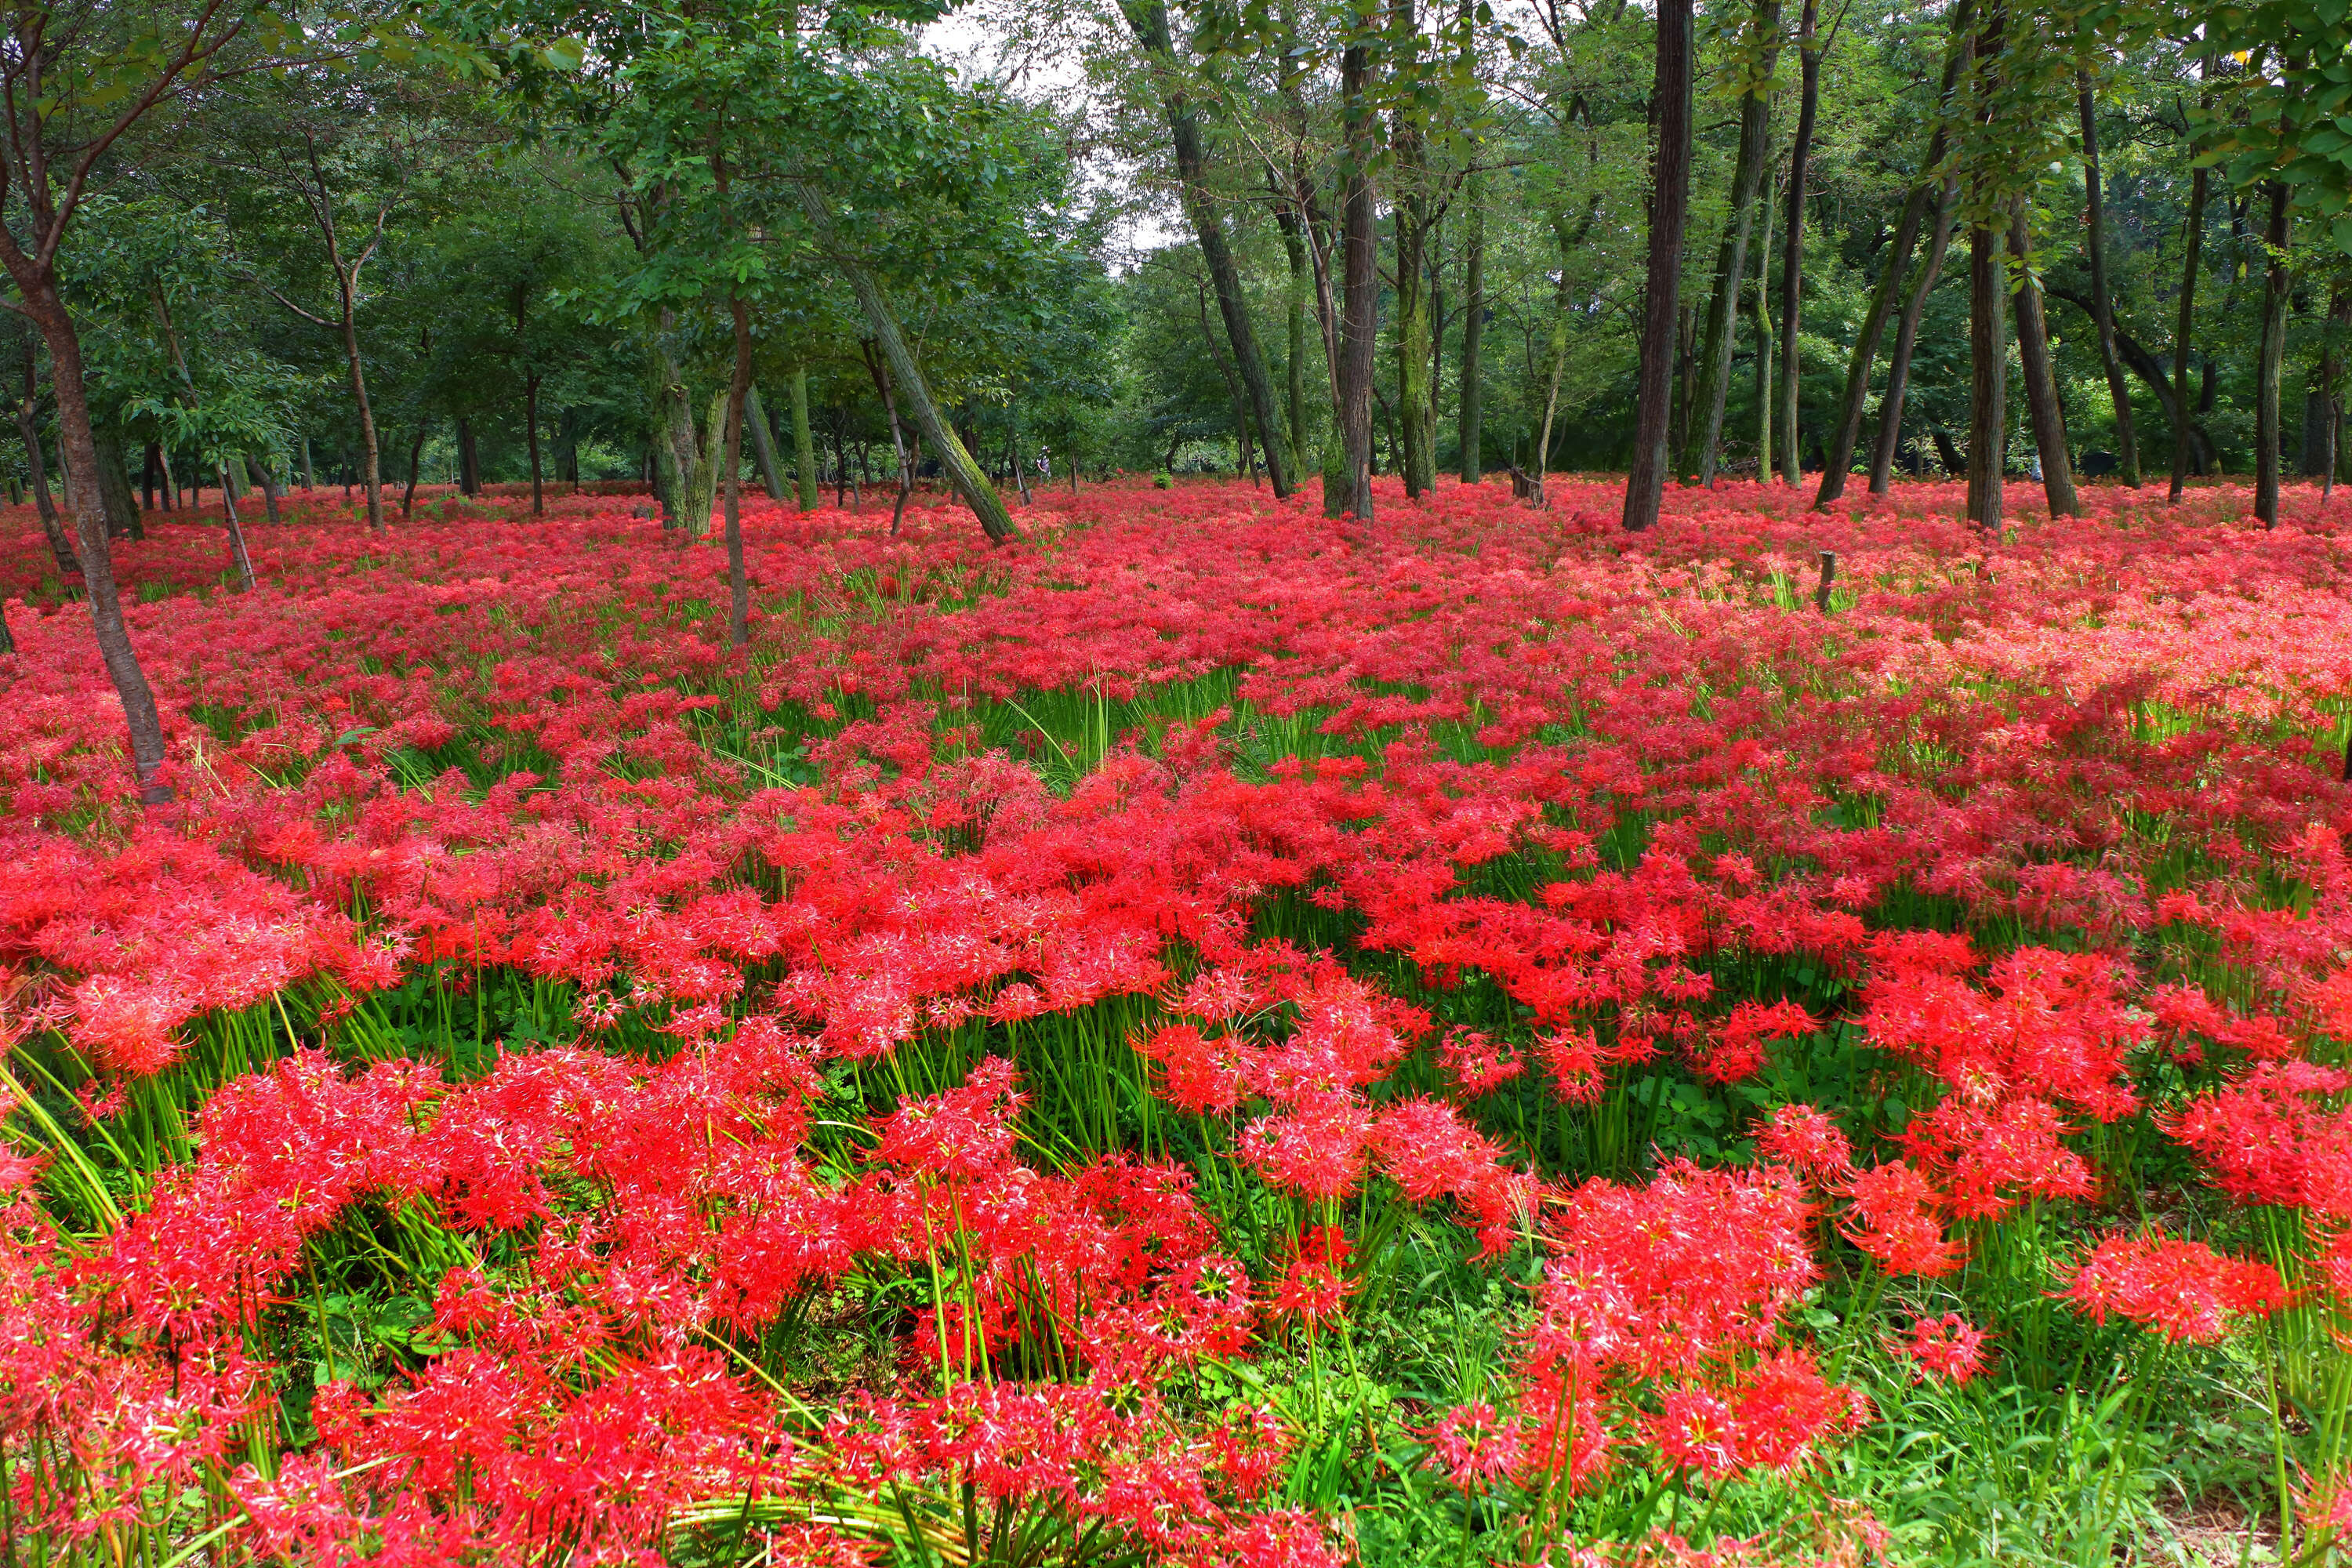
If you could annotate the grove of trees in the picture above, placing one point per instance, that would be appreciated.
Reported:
(712, 243)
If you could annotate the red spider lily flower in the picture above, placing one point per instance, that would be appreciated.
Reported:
(2183, 1289)
(1315, 1285)
(1472, 1446)
(1948, 1347)
(1804, 1137)
(1892, 1217)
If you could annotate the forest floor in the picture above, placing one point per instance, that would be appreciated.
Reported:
(1211, 1035)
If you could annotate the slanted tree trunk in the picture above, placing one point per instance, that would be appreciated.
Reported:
(879, 370)
(2094, 243)
(1670, 103)
(1149, 18)
(2270, 364)
(1470, 414)
(1906, 337)
(2041, 382)
(1792, 239)
(1731, 254)
(962, 472)
(764, 445)
(36, 468)
(238, 559)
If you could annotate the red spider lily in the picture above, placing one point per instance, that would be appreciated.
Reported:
(2183, 1289)
(1948, 1347)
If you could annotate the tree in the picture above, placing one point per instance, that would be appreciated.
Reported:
(1669, 209)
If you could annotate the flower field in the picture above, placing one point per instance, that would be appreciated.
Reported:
(1210, 1035)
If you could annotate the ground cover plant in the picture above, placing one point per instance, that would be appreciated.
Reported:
(1210, 1034)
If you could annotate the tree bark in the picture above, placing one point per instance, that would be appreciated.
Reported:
(118, 500)
(1670, 108)
(261, 466)
(1731, 254)
(764, 445)
(880, 370)
(1793, 240)
(36, 468)
(2040, 381)
(1149, 18)
(1293, 370)
(2094, 225)
(2270, 364)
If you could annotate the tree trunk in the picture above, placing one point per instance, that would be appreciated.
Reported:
(731, 470)
(1359, 307)
(1793, 241)
(1415, 461)
(37, 469)
(117, 500)
(2270, 364)
(970, 482)
(1469, 419)
(1670, 108)
(1149, 18)
(307, 484)
(531, 432)
(346, 292)
(415, 456)
(2041, 382)
(1987, 380)
(678, 447)
(1731, 254)
(261, 466)
(2103, 312)
(880, 370)
(803, 448)
(2192, 245)
(2331, 388)
(39, 295)
(1764, 381)
(238, 559)
(1906, 337)
(764, 445)
(469, 479)
(1294, 247)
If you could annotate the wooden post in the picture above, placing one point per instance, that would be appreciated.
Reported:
(1829, 575)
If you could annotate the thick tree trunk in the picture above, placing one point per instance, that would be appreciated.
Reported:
(1670, 102)
(803, 448)
(40, 299)
(2040, 381)
(764, 445)
(1149, 18)
(962, 472)
(1731, 254)
(1793, 240)
(261, 467)
(1415, 460)
(1906, 338)
(2095, 242)
(678, 447)
(1988, 379)
(1469, 419)
(731, 470)
(116, 497)
(1360, 274)
(2270, 364)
